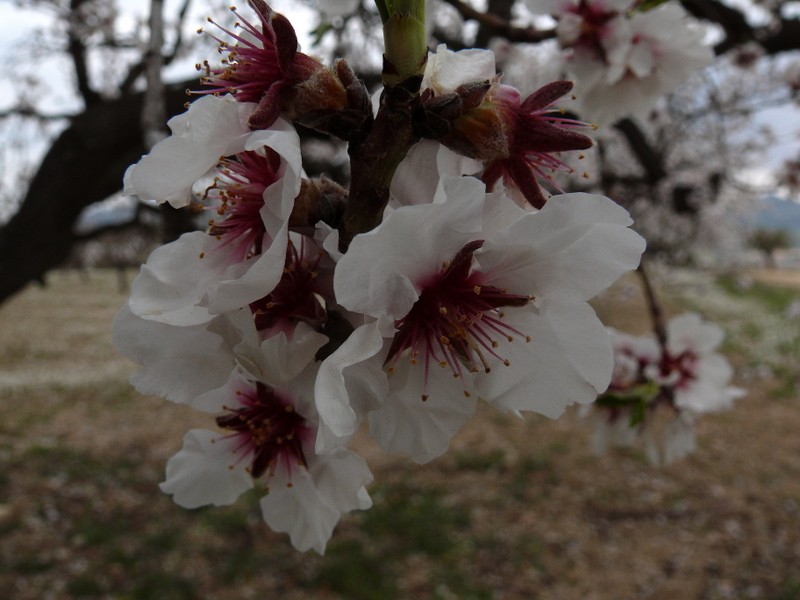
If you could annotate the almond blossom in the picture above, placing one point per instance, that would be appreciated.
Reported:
(489, 301)
(518, 140)
(267, 423)
(699, 375)
(242, 255)
(446, 275)
(624, 60)
(264, 66)
(657, 394)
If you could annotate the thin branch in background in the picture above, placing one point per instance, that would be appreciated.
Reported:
(137, 69)
(154, 113)
(501, 26)
(31, 113)
(77, 51)
(654, 307)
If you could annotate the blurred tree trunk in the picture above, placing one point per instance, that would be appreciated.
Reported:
(84, 165)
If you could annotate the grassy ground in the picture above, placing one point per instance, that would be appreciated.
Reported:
(517, 510)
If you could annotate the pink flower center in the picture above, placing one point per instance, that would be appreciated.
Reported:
(455, 321)
(252, 65)
(240, 193)
(268, 430)
(594, 26)
(297, 297)
(537, 135)
(683, 367)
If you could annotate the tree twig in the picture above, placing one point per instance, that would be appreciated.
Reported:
(654, 307)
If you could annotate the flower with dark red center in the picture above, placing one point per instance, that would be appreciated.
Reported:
(468, 284)
(299, 295)
(535, 136)
(239, 191)
(199, 275)
(263, 65)
(588, 25)
(268, 423)
(455, 320)
(517, 140)
(267, 430)
(685, 376)
(679, 370)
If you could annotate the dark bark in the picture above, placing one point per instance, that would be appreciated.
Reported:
(84, 165)
(77, 52)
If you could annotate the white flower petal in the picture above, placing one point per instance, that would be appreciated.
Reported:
(301, 511)
(446, 70)
(689, 332)
(172, 285)
(378, 274)
(212, 127)
(181, 364)
(421, 429)
(568, 360)
(417, 177)
(341, 478)
(278, 360)
(205, 472)
(348, 384)
(575, 247)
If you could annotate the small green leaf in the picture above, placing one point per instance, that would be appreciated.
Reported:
(639, 394)
(646, 5)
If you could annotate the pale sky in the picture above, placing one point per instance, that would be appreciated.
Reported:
(17, 27)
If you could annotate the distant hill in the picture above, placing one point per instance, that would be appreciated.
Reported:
(772, 212)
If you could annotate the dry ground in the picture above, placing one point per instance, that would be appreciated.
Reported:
(517, 510)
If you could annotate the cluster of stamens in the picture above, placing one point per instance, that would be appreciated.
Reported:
(297, 297)
(682, 367)
(251, 64)
(537, 135)
(456, 321)
(268, 430)
(239, 191)
(594, 25)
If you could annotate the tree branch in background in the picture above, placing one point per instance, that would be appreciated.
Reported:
(176, 222)
(77, 52)
(138, 69)
(154, 110)
(495, 22)
(654, 307)
(649, 158)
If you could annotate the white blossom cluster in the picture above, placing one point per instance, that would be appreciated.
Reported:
(658, 392)
(622, 58)
(291, 340)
